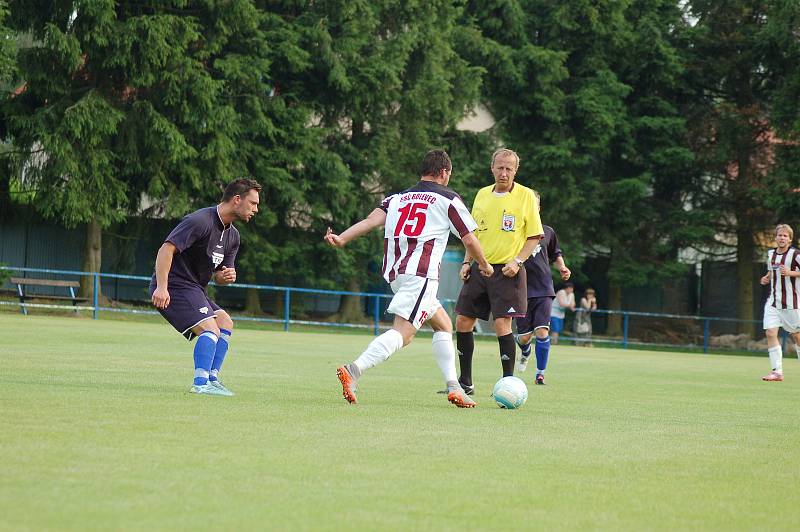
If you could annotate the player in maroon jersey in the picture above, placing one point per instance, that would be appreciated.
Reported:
(417, 224)
(781, 307)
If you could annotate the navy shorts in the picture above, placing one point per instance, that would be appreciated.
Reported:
(538, 315)
(503, 297)
(188, 306)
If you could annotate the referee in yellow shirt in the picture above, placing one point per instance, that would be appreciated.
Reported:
(509, 228)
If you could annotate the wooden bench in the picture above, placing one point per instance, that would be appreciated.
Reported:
(24, 281)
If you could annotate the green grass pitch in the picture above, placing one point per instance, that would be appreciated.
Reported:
(99, 433)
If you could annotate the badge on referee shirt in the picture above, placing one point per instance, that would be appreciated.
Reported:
(509, 221)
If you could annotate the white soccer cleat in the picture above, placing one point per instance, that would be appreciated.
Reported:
(221, 387)
(773, 376)
(207, 389)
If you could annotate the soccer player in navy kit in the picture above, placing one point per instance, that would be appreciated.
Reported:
(203, 245)
(540, 300)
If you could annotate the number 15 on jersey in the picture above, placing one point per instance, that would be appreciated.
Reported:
(412, 220)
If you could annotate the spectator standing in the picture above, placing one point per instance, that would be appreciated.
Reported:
(583, 318)
(565, 300)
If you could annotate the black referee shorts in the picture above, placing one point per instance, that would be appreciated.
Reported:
(498, 295)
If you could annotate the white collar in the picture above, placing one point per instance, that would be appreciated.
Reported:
(220, 218)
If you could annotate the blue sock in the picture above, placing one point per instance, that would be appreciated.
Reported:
(203, 355)
(219, 354)
(542, 353)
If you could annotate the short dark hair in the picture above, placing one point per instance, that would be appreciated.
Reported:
(434, 162)
(240, 187)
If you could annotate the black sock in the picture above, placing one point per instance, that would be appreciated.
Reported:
(465, 343)
(508, 353)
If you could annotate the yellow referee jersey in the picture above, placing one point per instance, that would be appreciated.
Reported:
(505, 221)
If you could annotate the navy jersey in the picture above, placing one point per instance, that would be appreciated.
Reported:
(204, 244)
(537, 266)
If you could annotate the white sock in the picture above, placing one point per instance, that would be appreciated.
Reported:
(797, 350)
(445, 353)
(776, 358)
(379, 350)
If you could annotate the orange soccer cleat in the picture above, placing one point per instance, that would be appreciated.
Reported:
(460, 399)
(348, 384)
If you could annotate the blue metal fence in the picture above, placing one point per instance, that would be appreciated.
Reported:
(625, 341)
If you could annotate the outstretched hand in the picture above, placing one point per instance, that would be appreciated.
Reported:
(333, 239)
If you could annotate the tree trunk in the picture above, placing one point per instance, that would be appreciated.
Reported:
(350, 309)
(745, 248)
(92, 255)
(252, 304)
(278, 305)
(614, 303)
(5, 189)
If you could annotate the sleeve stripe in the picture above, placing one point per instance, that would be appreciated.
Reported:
(455, 219)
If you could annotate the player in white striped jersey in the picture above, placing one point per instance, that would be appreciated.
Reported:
(417, 224)
(782, 308)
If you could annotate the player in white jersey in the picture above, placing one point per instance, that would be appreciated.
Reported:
(782, 308)
(417, 224)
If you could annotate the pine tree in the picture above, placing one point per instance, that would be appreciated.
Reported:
(161, 102)
(746, 69)
(588, 93)
(8, 64)
(8, 84)
(385, 84)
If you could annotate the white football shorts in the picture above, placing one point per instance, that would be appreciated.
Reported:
(414, 298)
(789, 319)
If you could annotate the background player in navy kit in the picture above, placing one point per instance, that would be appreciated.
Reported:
(202, 245)
(540, 300)
(417, 224)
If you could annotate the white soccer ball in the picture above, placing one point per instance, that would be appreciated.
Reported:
(510, 392)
